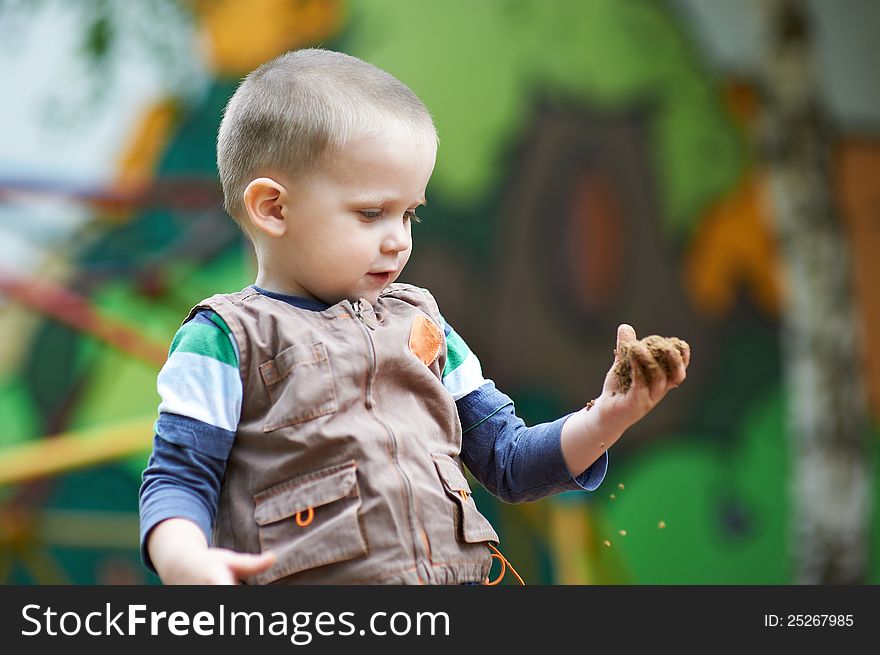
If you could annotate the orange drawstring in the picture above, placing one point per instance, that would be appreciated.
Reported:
(504, 564)
(310, 514)
(500, 575)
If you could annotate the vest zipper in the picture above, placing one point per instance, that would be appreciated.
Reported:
(417, 554)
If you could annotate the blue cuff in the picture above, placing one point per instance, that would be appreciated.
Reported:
(179, 482)
(593, 476)
(171, 503)
(514, 462)
(590, 479)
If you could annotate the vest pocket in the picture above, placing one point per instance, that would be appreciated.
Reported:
(310, 521)
(473, 526)
(299, 382)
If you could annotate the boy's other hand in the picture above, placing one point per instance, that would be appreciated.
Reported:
(229, 567)
(181, 555)
(216, 566)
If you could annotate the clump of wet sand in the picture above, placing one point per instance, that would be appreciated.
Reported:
(658, 346)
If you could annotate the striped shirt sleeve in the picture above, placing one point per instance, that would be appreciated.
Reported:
(201, 396)
(462, 373)
(200, 380)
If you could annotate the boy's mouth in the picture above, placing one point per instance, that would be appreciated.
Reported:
(381, 278)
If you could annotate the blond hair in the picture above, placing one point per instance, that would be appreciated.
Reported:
(289, 114)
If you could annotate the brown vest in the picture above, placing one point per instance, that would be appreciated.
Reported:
(346, 458)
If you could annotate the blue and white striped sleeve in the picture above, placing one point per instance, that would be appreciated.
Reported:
(201, 395)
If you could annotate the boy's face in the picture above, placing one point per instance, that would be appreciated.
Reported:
(348, 224)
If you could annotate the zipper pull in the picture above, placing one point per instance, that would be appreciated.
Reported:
(367, 317)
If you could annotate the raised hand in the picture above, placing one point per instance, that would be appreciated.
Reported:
(642, 373)
(644, 370)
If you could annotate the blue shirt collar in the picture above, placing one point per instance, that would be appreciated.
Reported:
(310, 304)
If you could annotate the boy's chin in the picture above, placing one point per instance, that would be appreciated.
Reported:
(371, 297)
(370, 293)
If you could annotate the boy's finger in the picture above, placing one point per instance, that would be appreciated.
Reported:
(682, 347)
(652, 373)
(686, 356)
(676, 365)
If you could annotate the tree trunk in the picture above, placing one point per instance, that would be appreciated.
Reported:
(823, 369)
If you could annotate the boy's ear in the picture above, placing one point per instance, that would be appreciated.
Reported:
(265, 201)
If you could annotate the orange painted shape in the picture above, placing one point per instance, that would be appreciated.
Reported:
(733, 249)
(594, 241)
(65, 306)
(857, 171)
(425, 340)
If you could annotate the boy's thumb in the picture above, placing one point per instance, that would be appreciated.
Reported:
(625, 332)
(249, 564)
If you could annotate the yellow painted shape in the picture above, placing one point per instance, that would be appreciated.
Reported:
(65, 452)
(571, 533)
(140, 158)
(239, 36)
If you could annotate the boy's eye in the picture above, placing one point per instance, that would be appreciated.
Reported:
(373, 214)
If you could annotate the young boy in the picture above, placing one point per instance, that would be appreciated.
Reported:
(313, 426)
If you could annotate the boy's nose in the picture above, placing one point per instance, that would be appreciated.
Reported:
(397, 239)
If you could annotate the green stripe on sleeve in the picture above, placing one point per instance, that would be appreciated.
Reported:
(220, 323)
(456, 352)
(205, 340)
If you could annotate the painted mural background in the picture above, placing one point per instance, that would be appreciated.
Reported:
(596, 166)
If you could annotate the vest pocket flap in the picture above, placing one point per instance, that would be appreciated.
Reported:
(289, 358)
(299, 384)
(300, 494)
(451, 475)
(473, 526)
